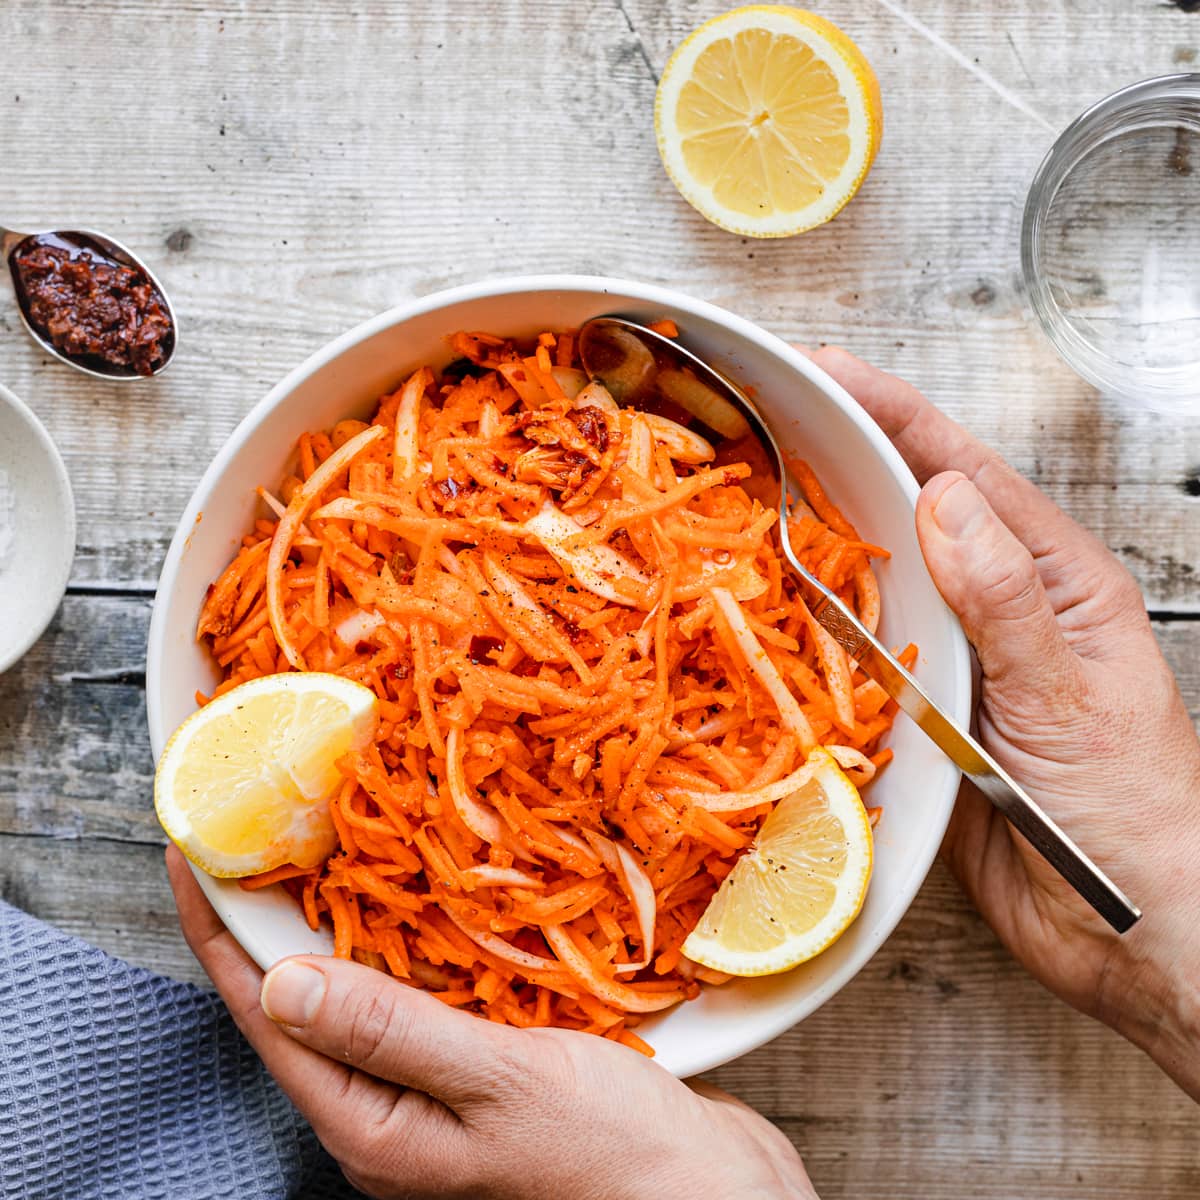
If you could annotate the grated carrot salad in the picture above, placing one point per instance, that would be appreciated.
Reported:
(595, 678)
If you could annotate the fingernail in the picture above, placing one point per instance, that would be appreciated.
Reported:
(292, 992)
(959, 510)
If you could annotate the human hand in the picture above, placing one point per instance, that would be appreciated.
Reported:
(414, 1099)
(1077, 704)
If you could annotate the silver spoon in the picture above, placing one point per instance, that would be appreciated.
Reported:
(639, 367)
(100, 249)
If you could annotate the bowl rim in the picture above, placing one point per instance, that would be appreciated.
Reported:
(65, 529)
(1091, 129)
(959, 687)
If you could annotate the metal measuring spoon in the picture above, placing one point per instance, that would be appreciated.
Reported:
(642, 368)
(97, 289)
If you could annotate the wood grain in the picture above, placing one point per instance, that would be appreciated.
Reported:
(291, 169)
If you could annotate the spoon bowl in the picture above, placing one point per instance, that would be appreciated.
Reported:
(97, 251)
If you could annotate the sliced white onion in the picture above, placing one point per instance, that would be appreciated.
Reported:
(681, 444)
(494, 944)
(290, 524)
(644, 638)
(596, 395)
(483, 822)
(728, 802)
(276, 506)
(740, 579)
(836, 663)
(518, 376)
(489, 420)
(702, 402)
(600, 845)
(867, 587)
(489, 876)
(850, 759)
(641, 895)
(715, 726)
(570, 379)
(604, 989)
(344, 508)
(757, 660)
(577, 843)
(594, 566)
(639, 458)
(408, 415)
(538, 635)
(357, 627)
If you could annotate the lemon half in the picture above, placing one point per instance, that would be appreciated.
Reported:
(798, 888)
(244, 784)
(768, 119)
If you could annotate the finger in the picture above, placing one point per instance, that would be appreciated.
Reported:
(325, 1091)
(359, 1016)
(989, 579)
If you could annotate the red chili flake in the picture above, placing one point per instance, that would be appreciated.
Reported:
(481, 647)
(592, 426)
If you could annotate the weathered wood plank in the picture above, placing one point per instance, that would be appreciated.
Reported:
(111, 894)
(266, 175)
(74, 747)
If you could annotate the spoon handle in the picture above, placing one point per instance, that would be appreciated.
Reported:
(973, 760)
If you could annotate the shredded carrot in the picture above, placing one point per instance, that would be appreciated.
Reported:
(595, 677)
(288, 871)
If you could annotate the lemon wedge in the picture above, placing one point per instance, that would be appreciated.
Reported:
(768, 119)
(244, 783)
(798, 888)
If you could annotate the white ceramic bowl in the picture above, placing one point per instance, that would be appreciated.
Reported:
(813, 417)
(37, 529)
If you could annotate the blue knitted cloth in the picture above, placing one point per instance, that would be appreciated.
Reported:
(117, 1084)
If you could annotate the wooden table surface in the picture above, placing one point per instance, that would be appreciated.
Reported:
(293, 168)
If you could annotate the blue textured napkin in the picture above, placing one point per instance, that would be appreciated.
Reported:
(117, 1084)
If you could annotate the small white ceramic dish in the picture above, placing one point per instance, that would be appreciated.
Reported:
(37, 529)
(812, 416)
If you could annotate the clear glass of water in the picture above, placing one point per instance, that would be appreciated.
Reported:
(1110, 246)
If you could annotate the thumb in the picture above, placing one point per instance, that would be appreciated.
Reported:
(991, 581)
(363, 1018)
